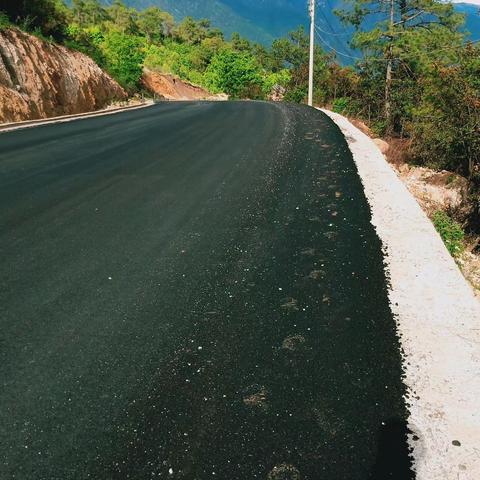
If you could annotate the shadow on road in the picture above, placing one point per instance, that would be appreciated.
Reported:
(393, 460)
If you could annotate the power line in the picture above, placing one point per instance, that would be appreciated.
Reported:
(319, 32)
(330, 33)
(335, 50)
(334, 33)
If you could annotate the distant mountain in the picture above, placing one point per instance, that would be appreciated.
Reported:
(219, 12)
(264, 20)
(259, 20)
(472, 18)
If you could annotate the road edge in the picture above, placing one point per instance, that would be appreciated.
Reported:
(438, 321)
(12, 126)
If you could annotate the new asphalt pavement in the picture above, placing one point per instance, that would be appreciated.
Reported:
(194, 291)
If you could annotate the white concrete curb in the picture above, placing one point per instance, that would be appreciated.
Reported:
(438, 321)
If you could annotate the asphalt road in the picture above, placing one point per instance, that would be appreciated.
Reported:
(193, 291)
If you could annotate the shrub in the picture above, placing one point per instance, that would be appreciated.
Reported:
(451, 232)
(341, 105)
(235, 73)
(124, 56)
(45, 17)
(4, 21)
(296, 94)
(281, 78)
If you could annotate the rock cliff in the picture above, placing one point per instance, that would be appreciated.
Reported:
(39, 79)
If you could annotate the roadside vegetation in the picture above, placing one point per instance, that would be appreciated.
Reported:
(451, 232)
(416, 76)
(124, 41)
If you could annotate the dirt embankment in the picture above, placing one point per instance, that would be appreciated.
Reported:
(170, 87)
(39, 79)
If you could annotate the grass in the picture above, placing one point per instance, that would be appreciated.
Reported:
(451, 232)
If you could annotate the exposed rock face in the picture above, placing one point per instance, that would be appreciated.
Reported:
(436, 190)
(39, 79)
(277, 94)
(170, 87)
(382, 145)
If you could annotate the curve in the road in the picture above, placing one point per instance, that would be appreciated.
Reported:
(194, 291)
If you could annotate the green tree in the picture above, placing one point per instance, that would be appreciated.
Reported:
(194, 32)
(292, 52)
(48, 17)
(87, 40)
(88, 12)
(240, 44)
(385, 41)
(445, 122)
(123, 18)
(235, 73)
(155, 24)
(124, 57)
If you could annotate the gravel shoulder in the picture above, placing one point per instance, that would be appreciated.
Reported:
(438, 321)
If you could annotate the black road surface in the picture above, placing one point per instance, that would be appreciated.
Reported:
(193, 291)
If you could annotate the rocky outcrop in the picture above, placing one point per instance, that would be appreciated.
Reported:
(277, 94)
(171, 87)
(39, 79)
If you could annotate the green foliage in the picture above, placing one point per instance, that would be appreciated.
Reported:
(342, 105)
(445, 123)
(88, 12)
(235, 73)
(291, 51)
(281, 78)
(122, 19)
(4, 21)
(296, 94)
(155, 24)
(379, 127)
(124, 55)
(194, 32)
(45, 17)
(86, 40)
(451, 232)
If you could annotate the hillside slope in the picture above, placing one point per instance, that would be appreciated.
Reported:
(170, 87)
(39, 79)
(221, 14)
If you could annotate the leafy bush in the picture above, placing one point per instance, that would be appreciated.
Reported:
(296, 94)
(281, 78)
(341, 105)
(445, 126)
(124, 55)
(86, 40)
(47, 18)
(4, 21)
(451, 232)
(235, 73)
(379, 127)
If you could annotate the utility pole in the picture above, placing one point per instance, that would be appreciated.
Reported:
(312, 45)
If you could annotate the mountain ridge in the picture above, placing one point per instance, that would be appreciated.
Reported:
(264, 20)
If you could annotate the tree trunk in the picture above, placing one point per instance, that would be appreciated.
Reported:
(388, 90)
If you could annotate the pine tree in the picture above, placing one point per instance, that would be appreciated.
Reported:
(396, 26)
